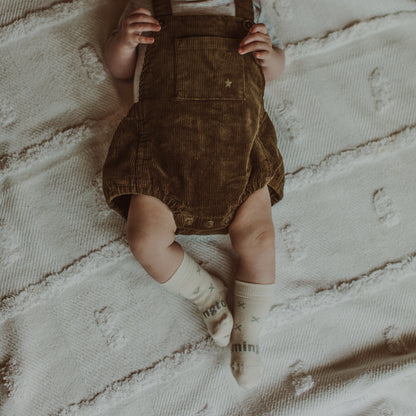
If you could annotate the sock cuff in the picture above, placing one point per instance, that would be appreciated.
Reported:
(181, 277)
(253, 290)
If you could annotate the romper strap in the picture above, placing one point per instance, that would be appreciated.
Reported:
(243, 8)
(161, 8)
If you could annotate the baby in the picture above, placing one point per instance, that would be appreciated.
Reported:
(197, 154)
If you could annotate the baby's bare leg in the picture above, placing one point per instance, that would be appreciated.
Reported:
(252, 236)
(151, 234)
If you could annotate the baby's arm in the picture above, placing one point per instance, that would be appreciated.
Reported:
(276, 64)
(120, 51)
(270, 58)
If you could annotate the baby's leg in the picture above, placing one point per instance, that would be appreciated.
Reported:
(151, 236)
(252, 237)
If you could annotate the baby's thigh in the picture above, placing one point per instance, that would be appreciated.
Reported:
(256, 210)
(253, 218)
(150, 220)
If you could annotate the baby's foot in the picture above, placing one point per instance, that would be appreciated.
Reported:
(215, 313)
(247, 371)
(209, 295)
(251, 305)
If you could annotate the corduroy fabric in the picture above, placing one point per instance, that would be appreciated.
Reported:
(199, 138)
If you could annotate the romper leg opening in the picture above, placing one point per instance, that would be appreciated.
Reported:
(121, 205)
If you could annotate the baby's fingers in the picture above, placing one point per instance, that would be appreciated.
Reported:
(140, 10)
(139, 18)
(143, 27)
(254, 47)
(137, 22)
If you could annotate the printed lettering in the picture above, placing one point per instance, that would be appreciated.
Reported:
(246, 347)
(212, 310)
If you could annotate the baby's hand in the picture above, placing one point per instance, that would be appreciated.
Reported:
(134, 24)
(257, 41)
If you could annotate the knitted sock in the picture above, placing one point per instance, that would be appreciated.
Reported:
(251, 306)
(208, 293)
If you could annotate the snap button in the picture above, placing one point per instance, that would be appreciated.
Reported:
(248, 24)
(209, 224)
(189, 221)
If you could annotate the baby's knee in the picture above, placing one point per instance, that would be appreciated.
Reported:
(150, 226)
(144, 243)
(252, 237)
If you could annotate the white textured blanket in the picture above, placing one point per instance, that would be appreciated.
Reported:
(84, 330)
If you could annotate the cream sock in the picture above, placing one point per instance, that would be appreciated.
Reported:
(251, 306)
(208, 293)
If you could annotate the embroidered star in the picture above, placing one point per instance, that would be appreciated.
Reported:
(197, 290)
(236, 366)
(228, 83)
(211, 288)
(242, 305)
(254, 319)
(237, 327)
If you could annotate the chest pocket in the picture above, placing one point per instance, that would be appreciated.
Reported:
(209, 68)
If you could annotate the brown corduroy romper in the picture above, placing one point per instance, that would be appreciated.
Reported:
(199, 138)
